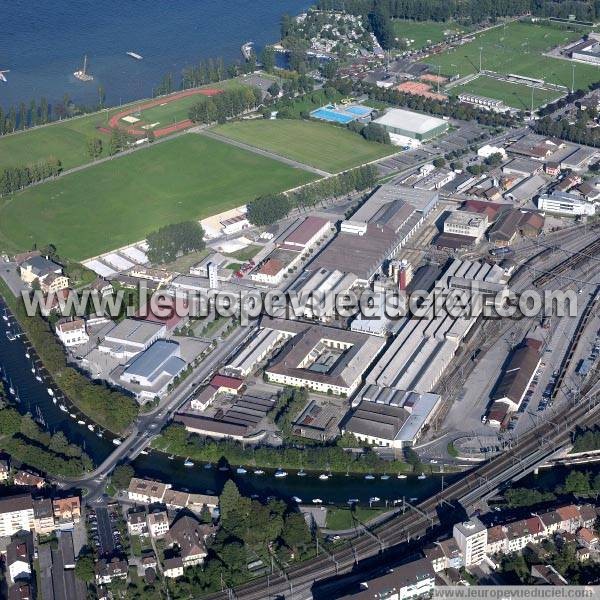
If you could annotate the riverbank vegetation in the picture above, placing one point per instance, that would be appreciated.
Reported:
(110, 409)
(174, 439)
(28, 443)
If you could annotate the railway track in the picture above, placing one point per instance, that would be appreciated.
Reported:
(533, 447)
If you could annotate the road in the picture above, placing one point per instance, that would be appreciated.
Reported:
(148, 425)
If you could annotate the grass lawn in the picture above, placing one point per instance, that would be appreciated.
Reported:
(245, 254)
(425, 32)
(67, 140)
(121, 201)
(320, 145)
(341, 518)
(167, 113)
(512, 94)
(517, 48)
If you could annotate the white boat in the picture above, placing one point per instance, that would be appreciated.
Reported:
(385, 477)
(33, 370)
(26, 354)
(301, 473)
(188, 463)
(38, 378)
(91, 427)
(73, 416)
(63, 408)
(401, 476)
(144, 452)
(280, 474)
(259, 472)
(54, 400)
(374, 499)
(117, 442)
(224, 468)
(82, 74)
(317, 501)
(369, 477)
(422, 476)
(241, 471)
(297, 500)
(5, 316)
(11, 390)
(323, 477)
(134, 55)
(80, 422)
(99, 434)
(11, 336)
(207, 466)
(50, 392)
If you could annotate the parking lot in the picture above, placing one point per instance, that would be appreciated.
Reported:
(104, 533)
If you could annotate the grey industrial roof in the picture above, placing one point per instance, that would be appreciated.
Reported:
(133, 331)
(517, 374)
(161, 357)
(410, 120)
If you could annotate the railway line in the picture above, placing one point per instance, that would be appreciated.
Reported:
(533, 447)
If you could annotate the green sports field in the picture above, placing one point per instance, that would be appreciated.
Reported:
(121, 201)
(425, 32)
(517, 48)
(320, 145)
(165, 114)
(512, 94)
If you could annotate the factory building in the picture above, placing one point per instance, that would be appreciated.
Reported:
(130, 337)
(470, 224)
(563, 203)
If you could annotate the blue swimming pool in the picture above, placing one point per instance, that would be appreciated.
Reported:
(361, 111)
(327, 114)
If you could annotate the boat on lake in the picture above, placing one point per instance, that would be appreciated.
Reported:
(188, 463)
(401, 476)
(63, 408)
(323, 477)
(241, 471)
(117, 442)
(259, 472)
(50, 392)
(297, 500)
(134, 55)
(280, 474)
(369, 477)
(301, 473)
(422, 476)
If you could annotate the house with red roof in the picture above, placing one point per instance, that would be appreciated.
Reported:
(228, 385)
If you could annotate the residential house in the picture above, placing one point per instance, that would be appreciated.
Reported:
(587, 515)
(173, 567)
(582, 554)
(43, 516)
(520, 533)
(444, 555)
(227, 385)
(188, 536)
(146, 490)
(67, 510)
(16, 514)
(4, 470)
(569, 518)
(497, 540)
(587, 538)
(54, 283)
(137, 523)
(27, 479)
(72, 332)
(102, 287)
(109, 571)
(551, 521)
(37, 268)
(149, 562)
(158, 524)
(471, 539)
(547, 575)
(19, 556)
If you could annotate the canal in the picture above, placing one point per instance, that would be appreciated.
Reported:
(17, 371)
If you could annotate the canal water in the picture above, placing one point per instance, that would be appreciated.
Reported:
(34, 398)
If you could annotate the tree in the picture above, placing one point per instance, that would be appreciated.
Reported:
(121, 476)
(169, 242)
(577, 482)
(295, 533)
(94, 147)
(84, 567)
(274, 89)
(439, 162)
(267, 59)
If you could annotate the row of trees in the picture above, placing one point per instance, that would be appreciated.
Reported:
(170, 241)
(372, 132)
(273, 207)
(13, 179)
(23, 439)
(226, 105)
(584, 441)
(571, 131)
(474, 11)
(177, 440)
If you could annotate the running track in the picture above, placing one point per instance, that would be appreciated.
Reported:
(114, 120)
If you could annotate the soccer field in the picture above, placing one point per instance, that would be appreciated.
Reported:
(512, 94)
(425, 32)
(320, 145)
(121, 201)
(166, 113)
(517, 48)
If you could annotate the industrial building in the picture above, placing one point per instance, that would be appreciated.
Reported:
(130, 337)
(151, 373)
(390, 417)
(587, 50)
(424, 347)
(563, 203)
(413, 125)
(273, 269)
(308, 232)
(259, 347)
(320, 420)
(323, 359)
(470, 224)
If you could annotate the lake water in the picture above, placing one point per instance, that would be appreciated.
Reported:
(43, 43)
